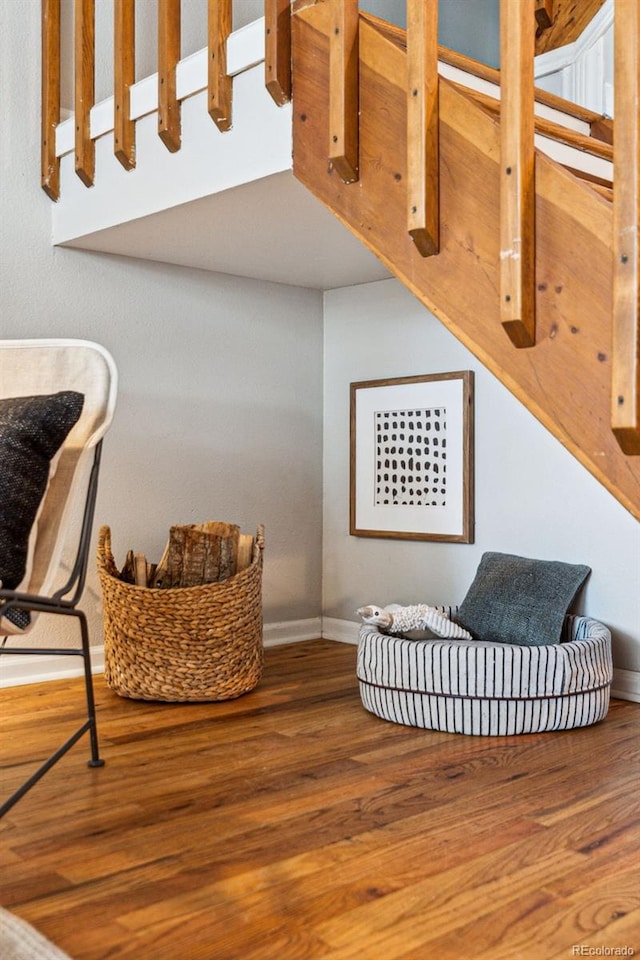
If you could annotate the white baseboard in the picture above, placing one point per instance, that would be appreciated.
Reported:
(344, 631)
(626, 685)
(291, 631)
(18, 669)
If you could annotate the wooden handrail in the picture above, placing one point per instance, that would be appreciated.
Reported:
(219, 83)
(50, 108)
(423, 157)
(546, 128)
(169, 123)
(600, 127)
(277, 58)
(517, 185)
(625, 359)
(343, 89)
(84, 88)
(124, 75)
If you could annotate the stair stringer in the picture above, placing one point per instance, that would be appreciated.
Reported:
(565, 379)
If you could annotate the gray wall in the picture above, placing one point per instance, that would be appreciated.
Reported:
(471, 27)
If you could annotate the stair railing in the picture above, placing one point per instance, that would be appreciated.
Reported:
(220, 18)
(219, 83)
(50, 98)
(423, 157)
(169, 111)
(519, 21)
(343, 89)
(277, 49)
(84, 88)
(124, 75)
(517, 171)
(625, 353)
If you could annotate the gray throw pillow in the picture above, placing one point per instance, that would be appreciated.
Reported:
(516, 600)
(32, 430)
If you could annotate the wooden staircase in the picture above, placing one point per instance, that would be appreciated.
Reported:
(565, 379)
(536, 273)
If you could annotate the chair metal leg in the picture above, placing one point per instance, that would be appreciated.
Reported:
(40, 772)
(89, 724)
(96, 760)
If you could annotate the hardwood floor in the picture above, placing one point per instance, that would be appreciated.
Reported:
(290, 824)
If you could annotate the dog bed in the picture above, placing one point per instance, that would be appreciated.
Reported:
(488, 689)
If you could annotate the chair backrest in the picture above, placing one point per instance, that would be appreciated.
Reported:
(30, 367)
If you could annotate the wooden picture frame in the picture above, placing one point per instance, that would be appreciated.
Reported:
(411, 475)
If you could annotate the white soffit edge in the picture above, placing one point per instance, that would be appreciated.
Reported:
(270, 229)
(224, 202)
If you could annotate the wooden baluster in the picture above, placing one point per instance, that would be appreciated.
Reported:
(277, 61)
(50, 104)
(220, 84)
(168, 58)
(84, 84)
(343, 89)
(124, 75)
(625, 359)
(423, 173)
(517, 173)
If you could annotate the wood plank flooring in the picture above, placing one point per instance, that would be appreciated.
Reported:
(290, 824)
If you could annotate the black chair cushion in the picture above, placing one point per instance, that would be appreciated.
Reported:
(32, 430)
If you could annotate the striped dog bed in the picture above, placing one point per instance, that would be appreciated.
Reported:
(488, 689)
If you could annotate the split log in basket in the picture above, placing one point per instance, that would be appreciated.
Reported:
(195, 553)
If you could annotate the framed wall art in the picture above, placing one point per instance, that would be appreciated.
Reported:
(412, 458)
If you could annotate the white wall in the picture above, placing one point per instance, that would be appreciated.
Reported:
(583, 71)
(220, 406)
(532, 497)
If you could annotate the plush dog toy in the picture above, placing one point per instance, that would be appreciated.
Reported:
(395, 618)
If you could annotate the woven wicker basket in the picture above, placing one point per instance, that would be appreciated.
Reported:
(182, 643)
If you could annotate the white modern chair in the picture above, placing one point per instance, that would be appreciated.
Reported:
(38, 371)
